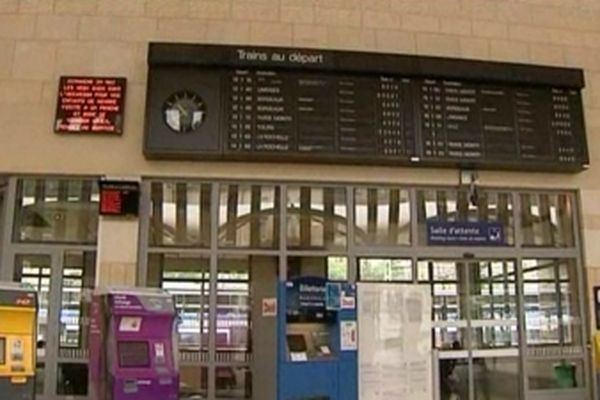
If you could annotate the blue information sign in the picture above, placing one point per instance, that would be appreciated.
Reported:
(311, 299)
(465, 233)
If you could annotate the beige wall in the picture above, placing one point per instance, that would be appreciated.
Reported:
(43, 39)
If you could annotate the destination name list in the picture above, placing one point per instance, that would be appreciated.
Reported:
(317, 113)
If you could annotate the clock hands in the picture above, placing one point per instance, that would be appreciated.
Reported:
(181, 109)
(184, 111)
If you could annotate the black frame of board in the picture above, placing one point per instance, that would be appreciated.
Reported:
(164, 56)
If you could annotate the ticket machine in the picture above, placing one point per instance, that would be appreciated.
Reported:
(133, 345)
(318, 340)
(18, 323)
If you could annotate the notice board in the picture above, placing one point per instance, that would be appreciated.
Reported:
(394, 331)
(90, 105)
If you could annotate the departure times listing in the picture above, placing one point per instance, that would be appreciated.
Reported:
(482, 122)
(286, 112)
(90, 105)
(399, 118)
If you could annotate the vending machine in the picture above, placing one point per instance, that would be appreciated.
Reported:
(133, 345)
(318, 340)
(18, 325)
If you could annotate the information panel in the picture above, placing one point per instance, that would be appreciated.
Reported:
(119, 198)
(90, 105)
(278, 112)
(395, 356)
(273, 105)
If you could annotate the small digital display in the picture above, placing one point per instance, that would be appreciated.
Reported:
(2, 351)
(90, 105)
(296, 343)
(119, 198)
(134, 354)
(130, 324)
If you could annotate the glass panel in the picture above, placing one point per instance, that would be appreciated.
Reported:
(34, 270)
(382, 216)
(456, 206)
(235, 289)
(337, 268)
(385, 269)
(552, 313)
(40, 378)
(448, 288)
(496, 378)
(72, 379)
(454, 379)
(234, 382)
(56, 210)
(333, 268)
(180, 214)
(493, 304)
(233, 337)
(193, 382)
(79, 275)
(249, 216)
(547, 220)
(555, 374)
(449, 302)
(449, 338)
(316, 217)
(187, 278)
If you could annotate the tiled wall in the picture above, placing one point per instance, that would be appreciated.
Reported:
(41, 40)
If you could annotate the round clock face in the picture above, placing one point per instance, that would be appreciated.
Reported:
(184, 111)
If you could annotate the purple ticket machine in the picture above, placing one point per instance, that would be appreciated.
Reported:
(133, 345)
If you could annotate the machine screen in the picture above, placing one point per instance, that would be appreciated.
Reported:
(2, 351)
(296, 343)
(134, 354)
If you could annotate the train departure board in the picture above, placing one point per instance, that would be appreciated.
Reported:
(290, 105)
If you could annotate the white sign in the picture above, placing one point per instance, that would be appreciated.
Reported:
(269, 307)
(159, 350)
(300, 356)
(349, 336)
(348, 302)
(17, 350)
(395, 342)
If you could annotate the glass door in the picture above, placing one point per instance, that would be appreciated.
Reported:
(494, 329)
(187, 278)
(507, 329)
(35, 270)
(555, 360)
(475, 327)
(75, 286)
(64, 280)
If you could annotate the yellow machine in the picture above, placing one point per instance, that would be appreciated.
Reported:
(18, 322)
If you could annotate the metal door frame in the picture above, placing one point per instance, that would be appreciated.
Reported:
(10, 250)
(415, 251)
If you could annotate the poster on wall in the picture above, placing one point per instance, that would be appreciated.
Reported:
(395, 354)
(269, 307)
(348, 336)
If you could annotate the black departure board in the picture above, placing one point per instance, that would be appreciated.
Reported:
(279, 112)
(266, 104)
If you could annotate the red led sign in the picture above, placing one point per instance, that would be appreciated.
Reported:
(90, 105)
(119, 198)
